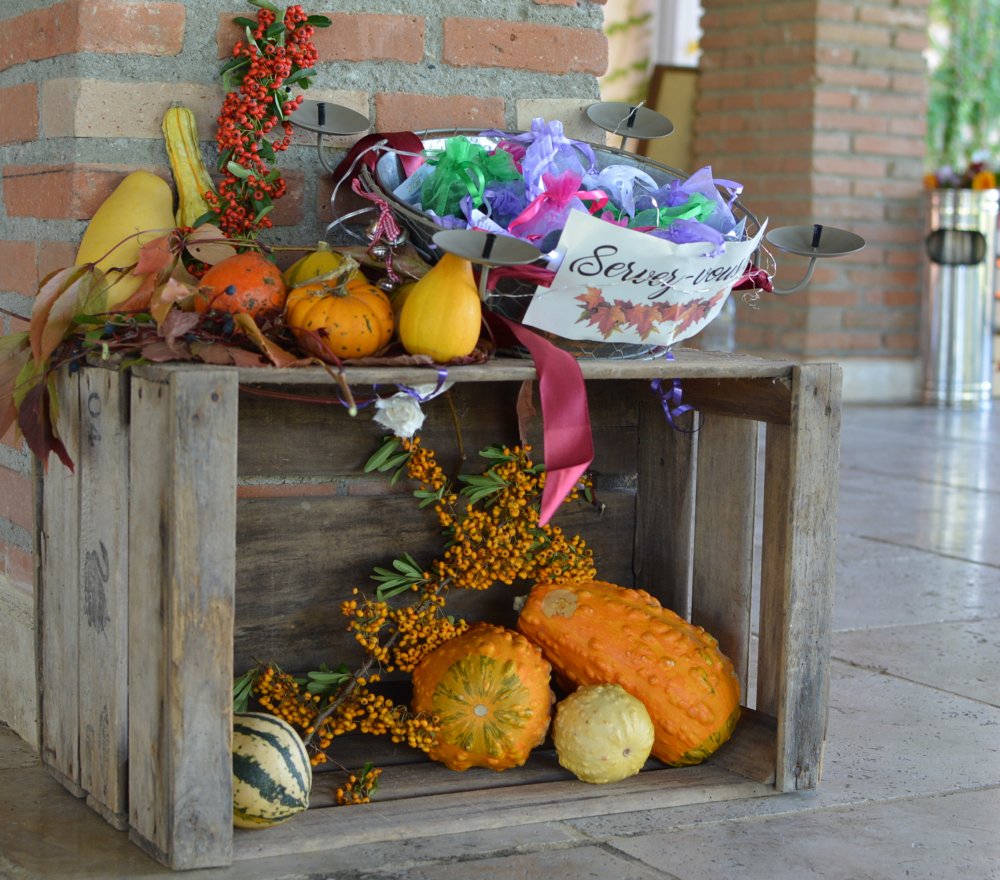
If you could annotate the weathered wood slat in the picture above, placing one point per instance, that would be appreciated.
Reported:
(723, 535)
(182, 534)
(797, 573)
(665, 505)
(505, 807)
(408, 774)
(766, 399)
(683, 364)
(58, 599)
(103, 561)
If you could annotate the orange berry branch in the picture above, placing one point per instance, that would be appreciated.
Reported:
(495, 536)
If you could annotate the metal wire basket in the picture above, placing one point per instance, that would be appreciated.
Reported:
(511, 297)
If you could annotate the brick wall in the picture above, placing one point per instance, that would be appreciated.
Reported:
(818, 108)
(83, 87)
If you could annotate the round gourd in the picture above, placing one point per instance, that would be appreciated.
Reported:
(348, 320)
(272, 775)
(321, 263)
(489, 689)
(140, 210)
(246, 282)
(597, 633)
(442, 315)
(602, 733)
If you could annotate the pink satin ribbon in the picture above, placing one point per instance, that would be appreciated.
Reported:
(569, 446)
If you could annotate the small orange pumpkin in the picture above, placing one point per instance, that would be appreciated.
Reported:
(349, 320)
(246, 282)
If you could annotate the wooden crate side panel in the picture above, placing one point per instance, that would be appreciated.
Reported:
(797, 572)
(58, 599)
(724, 535)
(184, 446)
(299, 557)
(103, 562)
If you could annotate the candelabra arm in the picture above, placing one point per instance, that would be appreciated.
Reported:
(797, 287)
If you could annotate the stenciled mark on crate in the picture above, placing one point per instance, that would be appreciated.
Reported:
(94, 411)
(96, 573)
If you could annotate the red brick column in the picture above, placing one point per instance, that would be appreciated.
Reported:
(819, 109)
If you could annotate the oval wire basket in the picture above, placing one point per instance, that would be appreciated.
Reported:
(511, 297)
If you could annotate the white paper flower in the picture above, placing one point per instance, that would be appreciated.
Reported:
(400, 414)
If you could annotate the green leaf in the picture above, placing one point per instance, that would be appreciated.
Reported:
(244, 22)
(327, 681)
(275, 30)
(318, 21)
(296, 76)
(388, 447)
(242, 690)
(265, 4)
(427, 497)
(262, 213)
(237, 170)
(495, 452)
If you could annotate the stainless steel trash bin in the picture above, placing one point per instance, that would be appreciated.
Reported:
(957, 319)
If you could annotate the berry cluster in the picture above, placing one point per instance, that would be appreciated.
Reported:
(357, 709)
(253, 124)
(497, 537)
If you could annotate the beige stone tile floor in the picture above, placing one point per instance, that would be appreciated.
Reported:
(912, 774)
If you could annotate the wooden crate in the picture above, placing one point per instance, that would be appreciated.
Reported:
(217, 515)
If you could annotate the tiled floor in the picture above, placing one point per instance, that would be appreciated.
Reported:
(912, 780)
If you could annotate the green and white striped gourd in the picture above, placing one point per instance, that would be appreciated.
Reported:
(272, 776)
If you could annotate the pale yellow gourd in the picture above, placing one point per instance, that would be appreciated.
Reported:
(602, 733)
(442, 315)
(142, 203)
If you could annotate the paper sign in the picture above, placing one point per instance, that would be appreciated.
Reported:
(619, 285)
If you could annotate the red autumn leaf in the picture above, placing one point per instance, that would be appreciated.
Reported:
(222, 355)
(34, 420)
(154, 256)
(165, 296)
(669, 312)
(139, 301)
(644, 318)
(693, 312)
(52, 288)
(274, 352)
(176, 324)
(160, 352)
(610, 318)
(77, 297)
(592, 299)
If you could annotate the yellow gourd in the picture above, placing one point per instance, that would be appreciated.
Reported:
(142, 203)
(191, 177)
(442, 315)
(602, 733)
(321, 263)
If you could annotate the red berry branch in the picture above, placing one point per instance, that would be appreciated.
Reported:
(253, 125)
